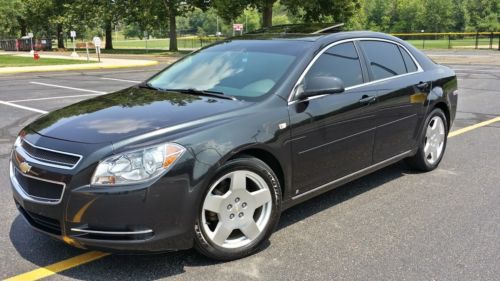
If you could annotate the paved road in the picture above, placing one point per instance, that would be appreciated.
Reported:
(391, 225)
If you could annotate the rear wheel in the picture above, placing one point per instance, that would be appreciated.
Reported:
(239, 210)
(432, 144)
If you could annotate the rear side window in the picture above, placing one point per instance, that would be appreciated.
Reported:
(409, 63)
(340, 61)
(384, 58)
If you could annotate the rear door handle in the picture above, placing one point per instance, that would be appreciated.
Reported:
(423, 85)
(367, 99)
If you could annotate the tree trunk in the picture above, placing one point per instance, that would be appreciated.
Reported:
(23, 28)
(172, 30)
(109, 35)
(267, 13)
(60, 39)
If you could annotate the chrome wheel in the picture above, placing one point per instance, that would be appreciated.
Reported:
(434, 140)
(236, 210)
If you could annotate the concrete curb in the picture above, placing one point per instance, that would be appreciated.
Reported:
(53, 68)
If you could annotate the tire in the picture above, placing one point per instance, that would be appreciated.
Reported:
(239, 210)
(426, 159)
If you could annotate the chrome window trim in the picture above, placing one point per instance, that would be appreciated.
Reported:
(75, 229)
(291, 99)
(17, 186)
(41, 162)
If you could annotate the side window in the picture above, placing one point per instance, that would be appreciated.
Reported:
(340, 61)
(384, 58)
(410, 64)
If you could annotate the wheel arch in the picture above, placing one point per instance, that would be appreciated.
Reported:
(444, 107)
(266, 157)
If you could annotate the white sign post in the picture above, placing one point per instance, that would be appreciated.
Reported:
(30, 35)
(73, 35)
(97, 44)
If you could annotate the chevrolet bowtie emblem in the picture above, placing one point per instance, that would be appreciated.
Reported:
(25, 167)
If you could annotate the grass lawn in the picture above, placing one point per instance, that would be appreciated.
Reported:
(14, 61)
(182, 43)
(457, 43)
(137, 51)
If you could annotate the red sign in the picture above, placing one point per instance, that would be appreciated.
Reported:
(237, 26)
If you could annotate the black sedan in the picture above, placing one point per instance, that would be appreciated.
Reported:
(209, 152)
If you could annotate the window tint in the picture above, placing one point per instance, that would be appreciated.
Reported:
(384, 58)
(410, 64)
(340, 61)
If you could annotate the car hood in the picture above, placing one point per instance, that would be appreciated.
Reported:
(127, 113)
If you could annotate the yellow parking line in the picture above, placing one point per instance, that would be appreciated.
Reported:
(59, 266)
(472, 127)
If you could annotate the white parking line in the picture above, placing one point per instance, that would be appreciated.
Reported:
(121, 80)
(23, 107)
(69, 88)
(477, 70)
(54, 98)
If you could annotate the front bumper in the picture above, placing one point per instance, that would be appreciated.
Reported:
(154, 217)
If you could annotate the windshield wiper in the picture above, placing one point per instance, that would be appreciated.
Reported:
(149, 86)
(208, 93)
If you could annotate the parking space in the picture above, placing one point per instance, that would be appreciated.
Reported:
(394, 224)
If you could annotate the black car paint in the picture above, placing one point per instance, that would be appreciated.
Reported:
(358, 137)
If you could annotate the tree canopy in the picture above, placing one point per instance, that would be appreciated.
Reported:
(169, 18)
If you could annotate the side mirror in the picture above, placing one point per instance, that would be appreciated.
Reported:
(321, 85)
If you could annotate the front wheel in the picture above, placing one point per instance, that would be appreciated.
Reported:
(239, 210)
(432, 144)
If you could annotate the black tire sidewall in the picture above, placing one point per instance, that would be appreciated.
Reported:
(205, 246)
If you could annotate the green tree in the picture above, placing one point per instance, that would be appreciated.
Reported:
(323, 10)
(11, 13)
(438, 15)
(484, 15)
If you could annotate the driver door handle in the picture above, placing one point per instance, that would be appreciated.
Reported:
(367, 99)
(423, 86)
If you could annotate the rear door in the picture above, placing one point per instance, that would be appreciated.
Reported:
(401, 95)
(332, 135)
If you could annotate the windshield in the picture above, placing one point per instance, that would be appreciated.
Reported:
(244, 70)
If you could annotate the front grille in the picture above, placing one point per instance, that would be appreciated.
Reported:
(50, 156)
(39, 189)
(41, 222)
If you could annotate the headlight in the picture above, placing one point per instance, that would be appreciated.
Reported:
(138, 165)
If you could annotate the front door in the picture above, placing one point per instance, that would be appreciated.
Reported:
(333, 135)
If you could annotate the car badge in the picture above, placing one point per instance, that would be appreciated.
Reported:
(25, 167)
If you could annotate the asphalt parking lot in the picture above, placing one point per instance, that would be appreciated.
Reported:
(394, 224)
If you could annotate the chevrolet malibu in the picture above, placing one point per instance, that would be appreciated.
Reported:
(209, 152)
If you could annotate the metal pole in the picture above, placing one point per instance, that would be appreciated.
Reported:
(87, 48)
(449, 41)
(98, 50)
(217, 33)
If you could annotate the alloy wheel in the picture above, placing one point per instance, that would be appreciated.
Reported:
(236, 209)
(434, 140)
